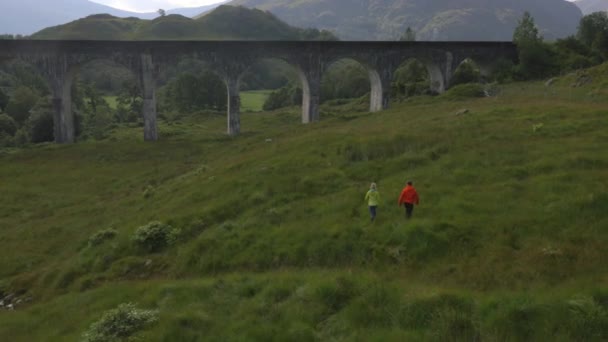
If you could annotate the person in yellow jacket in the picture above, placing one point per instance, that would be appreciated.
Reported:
(373, 200)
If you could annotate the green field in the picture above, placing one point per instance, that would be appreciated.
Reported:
(275, 243)
(111, 100)
(253, 100)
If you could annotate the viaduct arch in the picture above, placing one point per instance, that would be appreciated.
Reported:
(58, 60)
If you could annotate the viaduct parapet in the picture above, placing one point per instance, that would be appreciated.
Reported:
(58, 61)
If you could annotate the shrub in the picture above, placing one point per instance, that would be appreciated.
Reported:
(41, 125)
(7, 125)
(155, 236)
(101, 236)
(463, 91)
(120, 324)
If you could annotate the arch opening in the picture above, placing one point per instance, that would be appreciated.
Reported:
(347, 79)
(412, 78)
(468, 71)
(188, 88)
(103, 94)
(270, 84)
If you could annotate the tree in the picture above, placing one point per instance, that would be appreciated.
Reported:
(408, 36)
(592, 26)
(161, 12)
(526, 31)
(21, 103)
(535, 57)
(593, 33)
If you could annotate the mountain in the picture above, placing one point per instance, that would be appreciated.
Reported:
(433, 20)
(28, 16)
(217, 24)
(590, 6)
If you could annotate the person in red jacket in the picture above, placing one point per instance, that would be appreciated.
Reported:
(409, 197)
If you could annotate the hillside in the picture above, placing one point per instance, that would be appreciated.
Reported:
(28, 16)
(273, 240)
(217, 24)
(590, 6)
(433, 20)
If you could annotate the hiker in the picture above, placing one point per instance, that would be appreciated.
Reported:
(373, 199)
(409, 197)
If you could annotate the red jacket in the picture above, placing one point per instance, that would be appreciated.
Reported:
(409, 195)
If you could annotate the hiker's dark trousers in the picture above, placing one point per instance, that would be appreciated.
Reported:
(409, 209)
(372, 212)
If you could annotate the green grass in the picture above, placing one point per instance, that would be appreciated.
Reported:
(508, 243)
(253, 100)
(112, 101)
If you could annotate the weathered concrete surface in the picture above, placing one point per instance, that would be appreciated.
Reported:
(58, 60)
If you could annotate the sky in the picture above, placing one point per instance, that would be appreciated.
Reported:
(153, 5)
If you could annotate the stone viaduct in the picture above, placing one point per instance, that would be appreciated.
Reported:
(59, 60)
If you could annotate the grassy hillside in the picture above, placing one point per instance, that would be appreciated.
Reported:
(274, 238)
(218, 24)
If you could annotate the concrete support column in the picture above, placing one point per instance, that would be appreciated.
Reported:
(380, 89)
(148, 87)
(234, 105)
(311, 94)
(59, 74)
(63, 117)
(441, 72)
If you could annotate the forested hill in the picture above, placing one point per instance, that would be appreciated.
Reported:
(433, 20)
(590, 6)
(225, 22)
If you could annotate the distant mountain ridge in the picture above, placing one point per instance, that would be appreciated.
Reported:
(590, 6)
(28, 16)
(253, 24)
(432, 20)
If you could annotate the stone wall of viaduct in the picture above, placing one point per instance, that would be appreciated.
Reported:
(58, 61)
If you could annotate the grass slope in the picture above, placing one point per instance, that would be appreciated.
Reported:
(275, 244)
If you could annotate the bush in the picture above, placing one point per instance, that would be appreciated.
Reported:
(102, 236)
(155, 236)
(463, 91)
(7, 125)
(120, 324)
(41, 126)
(467, 72)
(22, 137)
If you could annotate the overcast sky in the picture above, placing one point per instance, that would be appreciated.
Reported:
(153, 5)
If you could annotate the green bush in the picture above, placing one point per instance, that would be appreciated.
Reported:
(41, 125)
(120, 324)
(463, 91)
(7, 125)
(102, 236)
(155, 236)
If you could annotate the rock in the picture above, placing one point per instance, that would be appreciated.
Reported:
(9, 298)
(268, 140)
(10, 307)
(148, 263)
(1, 303)
(462, 112)
(550, 82)
(19, 301)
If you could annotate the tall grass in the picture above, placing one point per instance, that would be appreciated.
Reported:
(274, 237)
